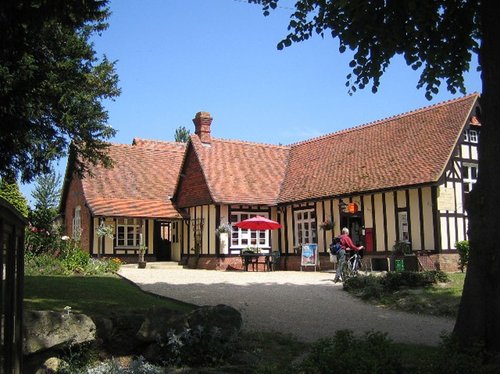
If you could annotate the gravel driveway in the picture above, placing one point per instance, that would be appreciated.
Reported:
(306, 304)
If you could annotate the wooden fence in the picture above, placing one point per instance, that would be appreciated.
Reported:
(12, 226)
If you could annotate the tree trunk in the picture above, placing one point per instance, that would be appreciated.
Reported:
(479, 313)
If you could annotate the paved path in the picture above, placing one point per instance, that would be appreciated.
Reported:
(306, 304)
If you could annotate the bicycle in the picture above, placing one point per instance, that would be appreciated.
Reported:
(352, 266)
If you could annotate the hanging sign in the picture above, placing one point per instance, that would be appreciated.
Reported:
(309, 256)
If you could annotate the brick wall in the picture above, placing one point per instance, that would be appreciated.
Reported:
(193, 190)
(75, 198)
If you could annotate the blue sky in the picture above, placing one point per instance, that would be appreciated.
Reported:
(178, 57)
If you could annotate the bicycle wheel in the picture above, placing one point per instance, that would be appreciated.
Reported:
(362, 268)
(346, 271)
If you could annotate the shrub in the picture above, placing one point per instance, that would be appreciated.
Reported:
(196, 347)
(68, 260)
(41, 240)
(463, 253)
(344, 353)
(366, 287)
(394, 281)
(472, 360)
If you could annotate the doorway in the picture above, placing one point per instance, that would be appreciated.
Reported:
(163, 240)
(354, 223)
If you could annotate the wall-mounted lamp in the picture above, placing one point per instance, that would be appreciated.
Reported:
(342, 205)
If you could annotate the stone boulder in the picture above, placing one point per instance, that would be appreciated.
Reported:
(225, 317)
(43, 330)
(158, 321)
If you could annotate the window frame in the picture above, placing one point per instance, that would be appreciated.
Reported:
(135, 226)
(77, 223)
(244, 237)
(300, 229)
(469, 181)
(473, 136)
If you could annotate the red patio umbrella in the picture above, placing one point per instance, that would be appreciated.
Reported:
(258, 223)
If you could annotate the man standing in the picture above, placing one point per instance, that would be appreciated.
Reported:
(345, 245)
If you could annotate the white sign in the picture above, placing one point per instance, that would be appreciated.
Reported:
(446, 199)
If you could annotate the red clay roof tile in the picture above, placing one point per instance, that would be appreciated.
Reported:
(240, 172)
(140, 183)
(408, 149)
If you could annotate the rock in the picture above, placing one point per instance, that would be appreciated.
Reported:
(122, 339)
(43, 330)
(52, 365)
(157, 322)
(224, 317)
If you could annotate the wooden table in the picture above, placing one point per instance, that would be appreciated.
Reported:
(254, 259)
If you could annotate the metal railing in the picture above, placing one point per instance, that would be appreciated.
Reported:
(12, 226)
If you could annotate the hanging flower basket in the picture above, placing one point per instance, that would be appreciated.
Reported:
(326, 225)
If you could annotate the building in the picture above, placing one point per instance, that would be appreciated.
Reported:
(133, 197)
(404, 178)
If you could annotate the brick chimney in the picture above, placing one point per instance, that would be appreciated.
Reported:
(202, 122)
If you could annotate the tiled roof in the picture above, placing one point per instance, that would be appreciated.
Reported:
(242, 172)
(141, 182)
(404, 150)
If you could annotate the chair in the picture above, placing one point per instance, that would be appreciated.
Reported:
(273, 260)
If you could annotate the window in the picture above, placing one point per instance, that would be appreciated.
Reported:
(471, 136)
(305, 227)
(242, 238)
(77, 224)
(128, 232)
(469, 176)
(404, 235)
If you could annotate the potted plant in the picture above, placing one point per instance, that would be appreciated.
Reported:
(400, 251)
(142, 261)
(192, 261)
(326, 225)
(402, 247)
(223, 232)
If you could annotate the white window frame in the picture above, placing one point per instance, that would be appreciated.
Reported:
(468, 180)
(473, 136)
(130, 226)
(243, 238)
(305, 227)
(77, 223)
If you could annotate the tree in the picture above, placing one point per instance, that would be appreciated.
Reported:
(9, 190)
(46, 195)
(181, 134)
(52, 85)
(439, 38)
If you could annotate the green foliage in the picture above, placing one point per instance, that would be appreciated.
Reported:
(410, 291)
(345, 353)
(9, 190)
(394, 281)
(438, 37)
(67, 258)
(52, 86)
(374, 286)
(41, 240)
(471, 360)
(366, 287)
(463, 252)
(196, 347)
(401, 248)
(46, 196)
(181, 134)
(113, 366)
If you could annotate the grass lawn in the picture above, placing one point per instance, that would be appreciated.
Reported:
(91, 295)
